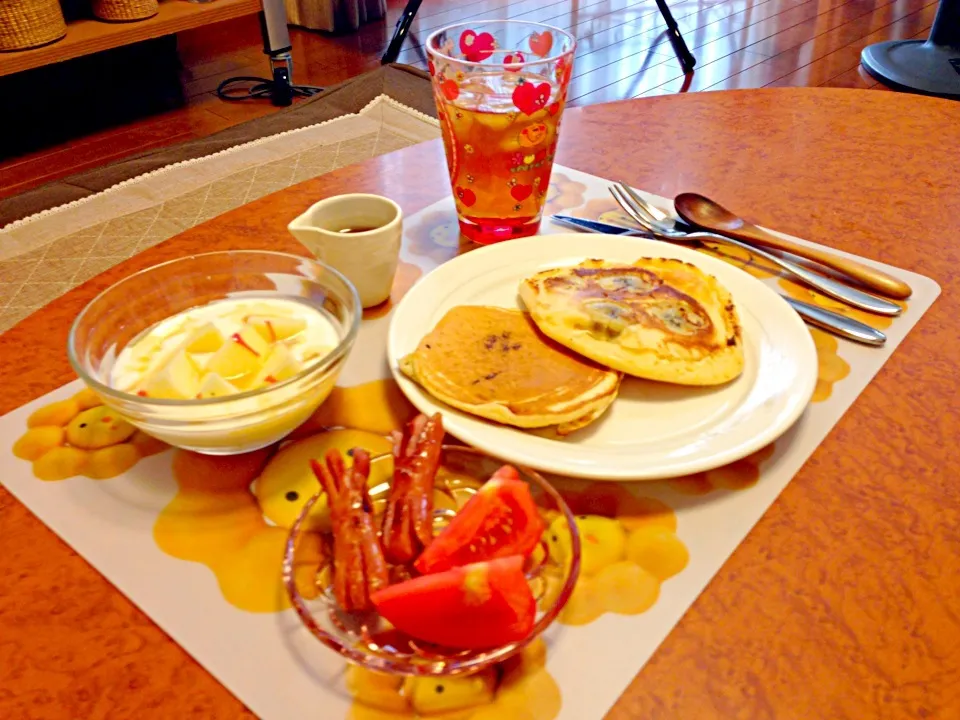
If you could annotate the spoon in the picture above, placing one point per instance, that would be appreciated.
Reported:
(709, 215)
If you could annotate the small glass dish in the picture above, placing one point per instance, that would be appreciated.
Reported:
(358, 638)
(229, 424)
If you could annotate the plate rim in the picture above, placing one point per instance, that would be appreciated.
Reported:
(424, 403)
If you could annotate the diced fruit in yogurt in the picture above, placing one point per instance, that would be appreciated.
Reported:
(215, 386)
(177, 379)
(280, 365)
(242, 354)
(146, 347)
(275, 327)
(205, 339)
(222, 349)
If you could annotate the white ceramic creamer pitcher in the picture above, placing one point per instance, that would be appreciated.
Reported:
(359, 235)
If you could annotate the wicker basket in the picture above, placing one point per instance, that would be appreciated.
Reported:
(125, 10)
(29, 23)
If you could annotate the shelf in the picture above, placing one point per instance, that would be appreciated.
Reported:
(89, 36)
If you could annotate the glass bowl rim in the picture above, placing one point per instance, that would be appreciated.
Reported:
(321, 364)
(438, 668)
(513, 65)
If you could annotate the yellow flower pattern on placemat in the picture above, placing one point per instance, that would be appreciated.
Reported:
(629, 547)
(563, 194)
(756, 266)
(215, 520)
(518, 689)
(831, 367)
(377, 406)
(80, 436)
(739, 475)
(804, 294)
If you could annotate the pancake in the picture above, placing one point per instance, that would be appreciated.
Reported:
(494, 363)
(658, 318)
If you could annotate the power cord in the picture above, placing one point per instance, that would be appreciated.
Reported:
(279, 89)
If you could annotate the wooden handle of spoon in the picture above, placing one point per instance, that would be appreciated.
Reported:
(876, 280)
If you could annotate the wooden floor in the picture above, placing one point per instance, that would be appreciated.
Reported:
(622, 54)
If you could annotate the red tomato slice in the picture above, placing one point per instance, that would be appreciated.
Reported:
(472, 607)
(500, 520)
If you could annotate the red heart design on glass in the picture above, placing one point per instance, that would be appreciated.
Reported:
(467, 196)
(529, 97)
(521, 192)
(450, 90)
(541, 156)
(540, 43)
(476, 48)
(510, 60)
(431, 67)
(554, 108)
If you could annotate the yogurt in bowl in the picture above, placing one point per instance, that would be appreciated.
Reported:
(219, 353)
(224, 348)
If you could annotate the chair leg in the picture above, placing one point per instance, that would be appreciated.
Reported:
(686, 58)
(401, 32)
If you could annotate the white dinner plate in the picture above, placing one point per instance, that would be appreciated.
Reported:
(652, 430)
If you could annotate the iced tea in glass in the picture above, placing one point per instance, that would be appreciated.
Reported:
(500, 88)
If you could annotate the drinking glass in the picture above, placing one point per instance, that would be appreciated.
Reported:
(500, 88)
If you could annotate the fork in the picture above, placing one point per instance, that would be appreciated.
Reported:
(666, 228)
(652, 212)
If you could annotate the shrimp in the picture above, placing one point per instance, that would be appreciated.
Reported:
(359, 567)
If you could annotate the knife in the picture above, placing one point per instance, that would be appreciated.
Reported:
(596, 226)
(821, 317)
(836, 323)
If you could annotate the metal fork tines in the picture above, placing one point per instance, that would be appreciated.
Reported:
(666, 229)
(651, 214)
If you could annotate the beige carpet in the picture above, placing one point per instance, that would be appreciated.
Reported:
(49, 253)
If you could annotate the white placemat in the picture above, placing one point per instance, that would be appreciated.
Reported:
(205, 566)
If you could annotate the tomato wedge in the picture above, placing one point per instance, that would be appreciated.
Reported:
(500, 520)
(472, 607)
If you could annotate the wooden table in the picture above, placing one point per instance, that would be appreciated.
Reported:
(842, 603)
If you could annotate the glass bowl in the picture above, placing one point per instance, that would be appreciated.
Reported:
(233, 423)
(361, 638)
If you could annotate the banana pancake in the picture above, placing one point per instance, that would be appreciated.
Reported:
(658, 318)
(494, 363)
